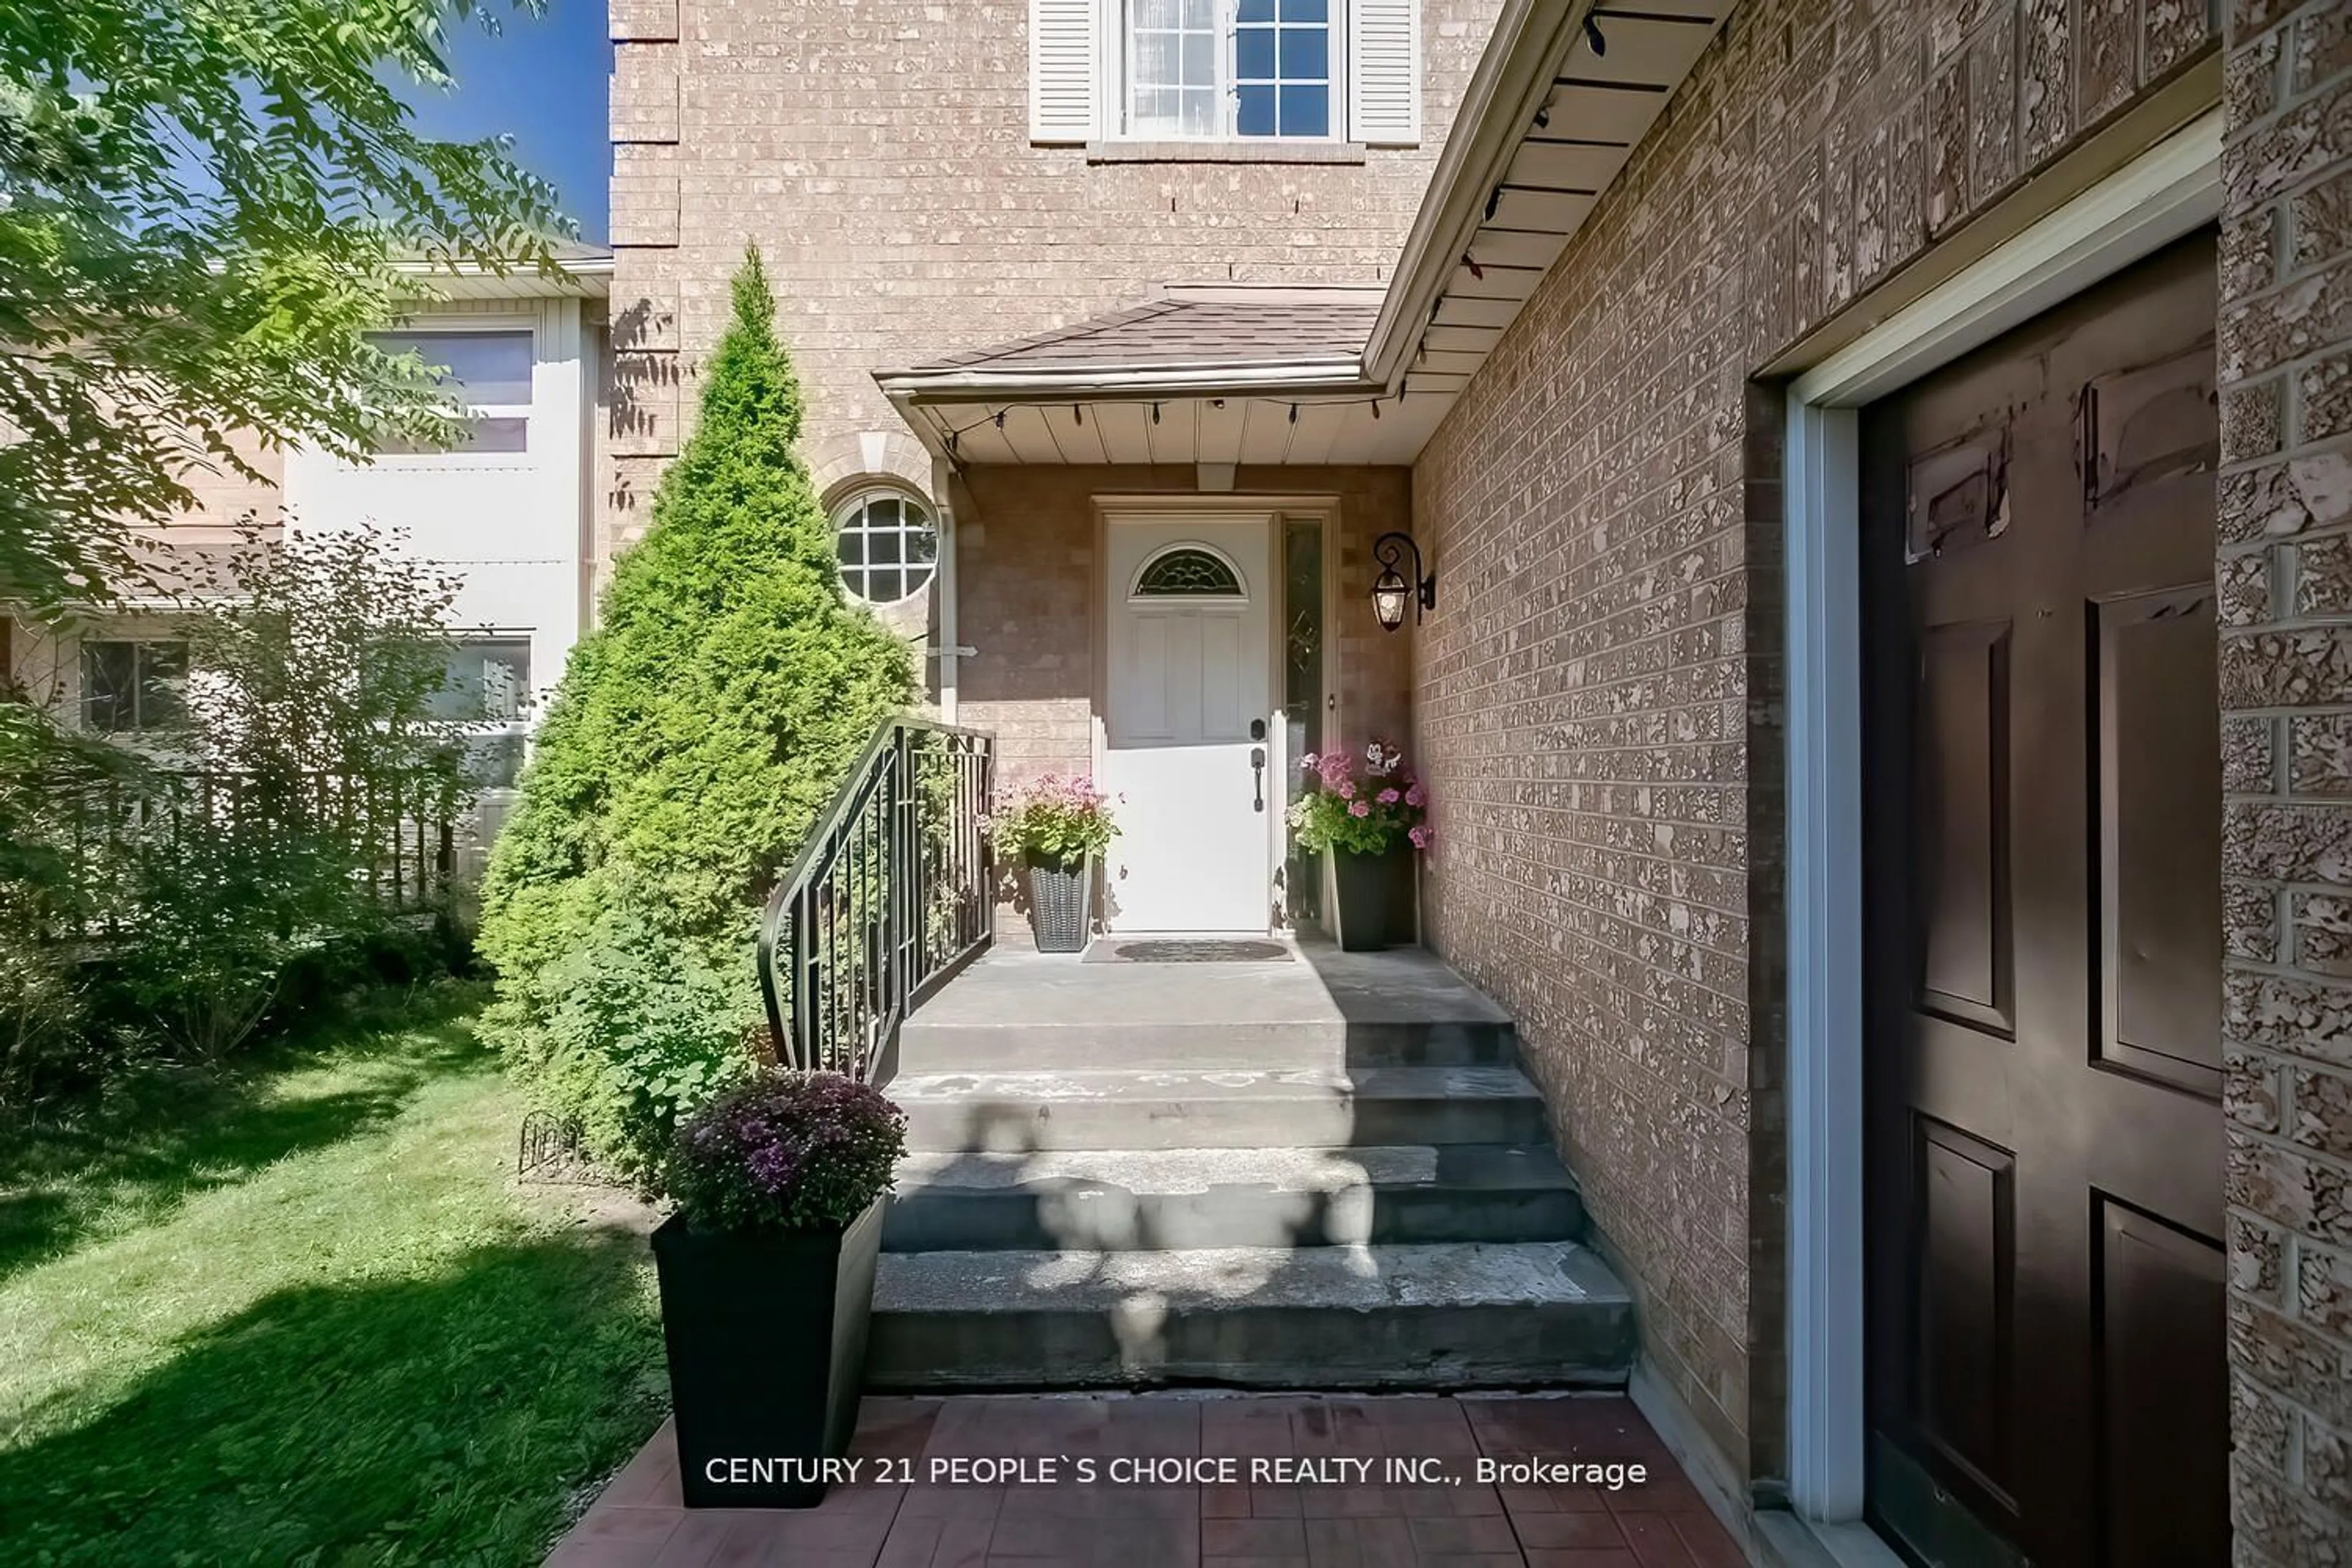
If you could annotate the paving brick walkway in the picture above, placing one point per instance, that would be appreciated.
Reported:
(1659, 1524)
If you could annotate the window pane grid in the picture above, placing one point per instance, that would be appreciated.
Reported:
(1232, 68)
(888, 548)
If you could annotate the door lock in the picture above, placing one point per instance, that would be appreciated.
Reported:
(1257, 763)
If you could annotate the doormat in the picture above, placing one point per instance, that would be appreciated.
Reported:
(1111, 949)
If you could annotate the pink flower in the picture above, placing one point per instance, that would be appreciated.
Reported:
(1307, 763)
(1346, 790)
(1416, 796)
(1390, 798)
(1360, 808)
(1421, 837)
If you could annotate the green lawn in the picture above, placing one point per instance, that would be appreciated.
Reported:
(301, 1314)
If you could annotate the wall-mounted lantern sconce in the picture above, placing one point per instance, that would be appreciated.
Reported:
(1391, 588)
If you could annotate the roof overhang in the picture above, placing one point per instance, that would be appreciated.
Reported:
(584, 276)
(1544, 128)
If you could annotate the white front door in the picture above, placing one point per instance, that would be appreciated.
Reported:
(1186, 730)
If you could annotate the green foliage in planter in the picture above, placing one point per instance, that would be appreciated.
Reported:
(1360, 808)
(1057, 823)
(696, 734)
(787, 1151)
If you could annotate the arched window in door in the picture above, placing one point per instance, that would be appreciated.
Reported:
(1189, 571)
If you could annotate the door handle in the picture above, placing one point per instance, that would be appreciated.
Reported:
(1257, 764)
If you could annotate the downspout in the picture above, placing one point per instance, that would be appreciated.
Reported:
(950, 653)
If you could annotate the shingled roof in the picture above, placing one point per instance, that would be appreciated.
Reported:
(1188, 328)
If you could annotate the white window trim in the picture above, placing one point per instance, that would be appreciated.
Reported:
(1116, 70)
(2169, 192)
(460, 457)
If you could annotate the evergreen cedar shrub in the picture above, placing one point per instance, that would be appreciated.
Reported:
(787, 1151)
(694, 737)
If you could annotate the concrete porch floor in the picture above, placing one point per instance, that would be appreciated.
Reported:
(1663, 1522)
(1017, 1008)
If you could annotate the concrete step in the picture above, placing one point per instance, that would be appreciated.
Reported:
(1170, 1199)
(934, 1044)
(1472, 1315)
(1324, 1107)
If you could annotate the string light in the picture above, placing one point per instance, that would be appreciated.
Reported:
(1592, 35)
(954, 435)
(1475, 270)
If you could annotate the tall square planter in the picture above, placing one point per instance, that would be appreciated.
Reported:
(766, 1337)
(1369, 893)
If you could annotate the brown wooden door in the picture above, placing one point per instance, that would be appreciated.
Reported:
(2043, 1060)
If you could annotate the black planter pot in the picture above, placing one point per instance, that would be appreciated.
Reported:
(1061, 905)
(1364, 893)
(767, 1355)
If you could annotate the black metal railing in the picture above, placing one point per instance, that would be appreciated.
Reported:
(399, 840)
(891, 896)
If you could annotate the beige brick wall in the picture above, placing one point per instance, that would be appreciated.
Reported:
(1598, 691)
(2285, 346)
(877, 151)
(1027, 555)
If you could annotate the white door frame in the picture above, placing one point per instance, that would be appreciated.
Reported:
(2169, 192)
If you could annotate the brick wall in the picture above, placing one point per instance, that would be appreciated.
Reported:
(2285, 567)
(1598, 691)
(877, 151)
(1027, 554)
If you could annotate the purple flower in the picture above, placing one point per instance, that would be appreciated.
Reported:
(1420, 836)
(1389, 797)
(1416, 796)
(1360, 808)
(1346, 790)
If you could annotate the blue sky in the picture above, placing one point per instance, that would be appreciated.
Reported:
(542, 79)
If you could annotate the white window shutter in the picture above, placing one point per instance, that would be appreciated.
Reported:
(1384, 72)
(1064, 37)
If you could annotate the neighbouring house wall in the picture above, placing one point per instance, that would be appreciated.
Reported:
(1028, 577)
(2286, 572)
(1598, 690)
(512, 526)
(228, 500)
(879, 154)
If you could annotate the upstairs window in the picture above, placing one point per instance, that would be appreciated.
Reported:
(1201, 69)
(487, 375)
(1215, 70)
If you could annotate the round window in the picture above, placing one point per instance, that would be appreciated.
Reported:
(888, 545)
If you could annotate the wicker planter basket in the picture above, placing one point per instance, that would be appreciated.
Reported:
(1061, 905)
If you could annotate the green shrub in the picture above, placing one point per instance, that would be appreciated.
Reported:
(695, 735)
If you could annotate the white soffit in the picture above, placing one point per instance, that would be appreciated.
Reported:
(1548, 124)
